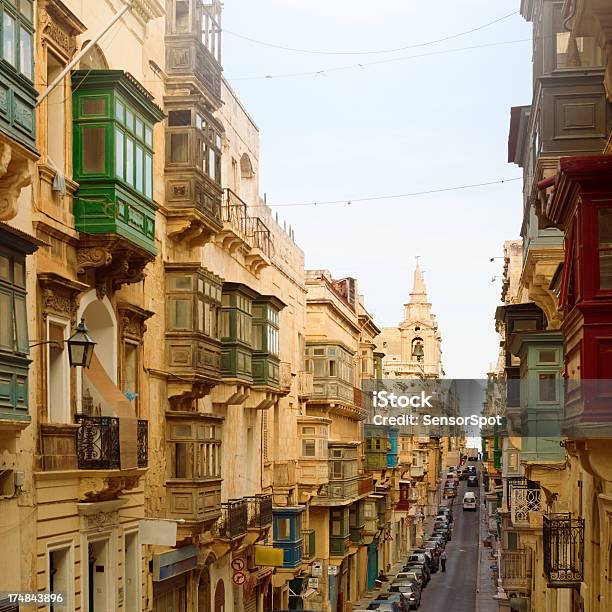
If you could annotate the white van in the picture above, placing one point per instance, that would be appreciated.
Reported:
(469, 501)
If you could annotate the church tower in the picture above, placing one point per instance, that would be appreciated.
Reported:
(413, 349)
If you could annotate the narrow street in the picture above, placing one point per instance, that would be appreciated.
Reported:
(456, 588)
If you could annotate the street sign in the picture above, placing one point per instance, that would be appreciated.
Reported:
(238, 564)
(332, 570)
(317, 569)
(239, 578)
(313, 583)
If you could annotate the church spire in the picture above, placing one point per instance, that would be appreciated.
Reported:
(419, 291)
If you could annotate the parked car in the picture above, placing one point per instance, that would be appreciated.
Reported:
(409, 591)
(469, 501)
(386, 602)
(414, 576)
(429, 558)
(471, 469)
(447, 534)
(438, 539)
(449, 492)
(447, 512)
(472, 481)
(419, 567)
(441, 520)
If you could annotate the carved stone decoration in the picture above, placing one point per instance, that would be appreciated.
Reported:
(109, 261)
(15, 174)
(132, 321)
(96, 489)
(59, 296)
(59, 27)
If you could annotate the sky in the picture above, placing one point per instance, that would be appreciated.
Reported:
(397, 127)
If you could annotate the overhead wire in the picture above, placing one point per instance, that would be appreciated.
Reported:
(371, 52)
(350, 201)
(363, 65)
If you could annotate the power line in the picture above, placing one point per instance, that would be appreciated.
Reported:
(364, 65)
(375, 52)
(350, 201)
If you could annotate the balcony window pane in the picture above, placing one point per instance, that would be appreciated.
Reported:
(119, 111)
(25, 53)
(129, 119)
(139, 168)
(26, 9)
(283, 529)
(119, 154)
(308, 448)
(21, 324)
(6, 321)
(180, 460)
(5, 268)
(181, 16)
(181, 316)
(148, 136)
(139, 128)
(129, 161)
(19, 273)
(8, 34)
(548, 387)
(547, 356)
(179, 148)
(93, 106)
(177, 118)
(93, 150)
(605, 248)
(148, 176)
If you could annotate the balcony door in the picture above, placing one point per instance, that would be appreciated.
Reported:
(99, 593)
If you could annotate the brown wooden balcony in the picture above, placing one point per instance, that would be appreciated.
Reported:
(516, 570)
(284, 377)
(365, 484)
(309, 543)
(194, 499)
(233, 522)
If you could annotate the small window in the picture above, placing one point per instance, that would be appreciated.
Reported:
(178, 118)
(548, 387)
(148, 176)
(129, 160)
(8, 37)
(308, 431)
(119, 154)
(148, 136)
(93, 106)
(547, 356)
(179, 148)
(94, 149)
(309, 448)
(283, 529)
(120, 111)
(332, 367)
(129, 119)
(181, 315)
(139, 169)
(25, 53)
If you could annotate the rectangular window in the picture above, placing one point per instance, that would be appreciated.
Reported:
(139, 128)
(309, 448)
(332, 368)
(547, 356)
(139, 168)
(181, 315)
(93, 106)
(605, 248)
(6, 321)
(119, 154)
(129, 119)
(58, 376)
(179, 148)
(120, 111)
(8, 38)
(148, 176)
(129, 161)
(25, 53)
(548, 387)
(130, 370)
(283, 529)
(21, 325)
(180, 460)
(93, 150)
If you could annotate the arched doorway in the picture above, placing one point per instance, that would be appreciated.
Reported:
(204, 595)
(220, 596)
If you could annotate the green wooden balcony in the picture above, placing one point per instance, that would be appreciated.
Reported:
(113, 152)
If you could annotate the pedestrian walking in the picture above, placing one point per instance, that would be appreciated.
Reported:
(443, 560)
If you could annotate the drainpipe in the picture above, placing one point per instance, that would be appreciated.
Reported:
(83, 51)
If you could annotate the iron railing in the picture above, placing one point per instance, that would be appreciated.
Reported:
(234, 519)
(259, 511)
(516, 569)
(525, 499)
(142, 444)
(309, 543)
(563, 550)
(98, 442)
(512, 481)
(259, 235)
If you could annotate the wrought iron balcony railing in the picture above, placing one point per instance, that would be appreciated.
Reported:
(563, 537)
(511, 482)
(98, 443)
(516, 569)
(525, 499)
(142, 443)
(234, 519)
(259, 511)
(309, 542)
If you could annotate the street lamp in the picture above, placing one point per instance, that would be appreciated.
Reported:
(80, 347)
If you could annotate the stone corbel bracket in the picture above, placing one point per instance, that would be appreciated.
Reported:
(16, 171)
